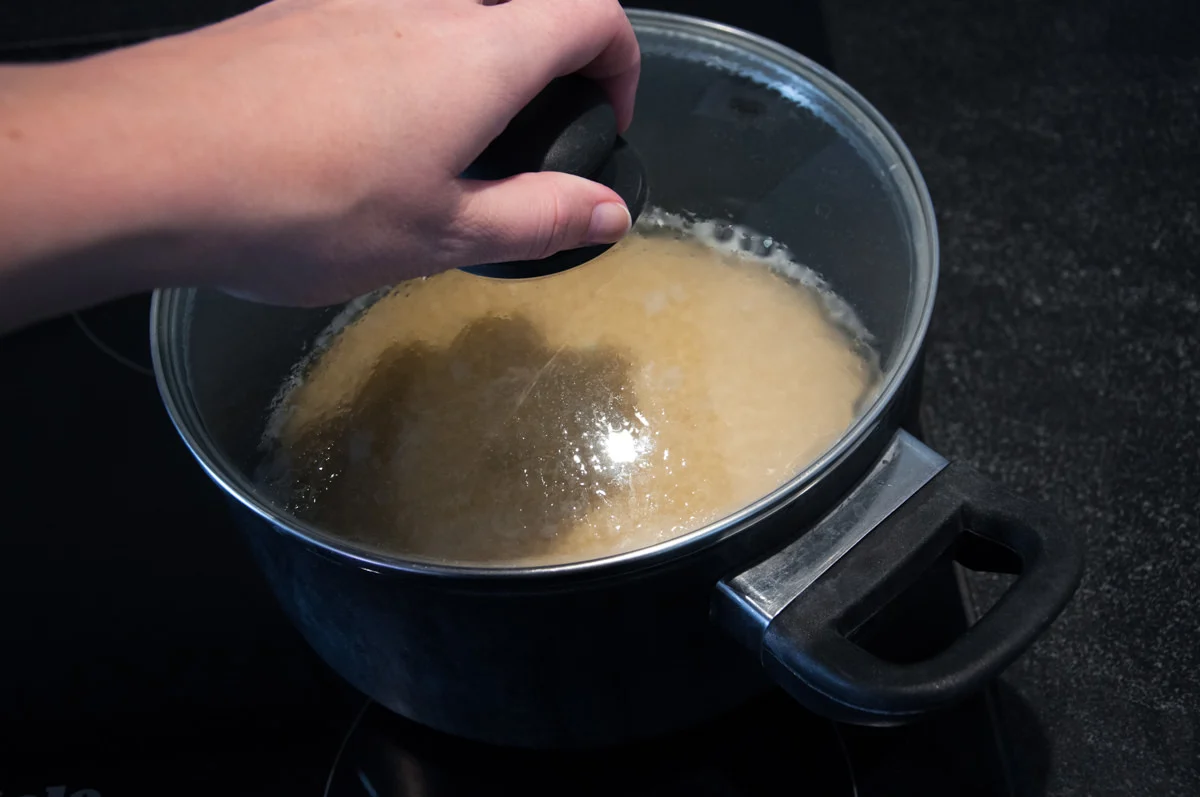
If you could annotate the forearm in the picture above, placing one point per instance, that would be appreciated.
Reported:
(301, 153)
(113, 179)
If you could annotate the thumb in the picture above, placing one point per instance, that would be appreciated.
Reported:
(531, 216)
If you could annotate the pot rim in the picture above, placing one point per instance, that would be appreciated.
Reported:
(170, 370)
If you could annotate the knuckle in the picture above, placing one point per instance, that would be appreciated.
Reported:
(581, 14)
(554, 225)
(602, 13)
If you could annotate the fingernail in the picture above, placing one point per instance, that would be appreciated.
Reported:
(610, 221)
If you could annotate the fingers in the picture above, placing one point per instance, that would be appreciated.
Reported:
(592, 37)
(531, 216)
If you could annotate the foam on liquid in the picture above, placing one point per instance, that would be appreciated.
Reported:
(681, 376)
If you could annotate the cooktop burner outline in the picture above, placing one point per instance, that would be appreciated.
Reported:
(422, 757)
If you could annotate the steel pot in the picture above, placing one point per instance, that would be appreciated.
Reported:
(730, 126)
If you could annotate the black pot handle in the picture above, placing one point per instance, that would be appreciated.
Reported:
(807, 647)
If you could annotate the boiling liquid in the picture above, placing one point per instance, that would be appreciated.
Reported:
(643, 395)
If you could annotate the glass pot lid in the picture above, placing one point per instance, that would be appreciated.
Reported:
(767, 304)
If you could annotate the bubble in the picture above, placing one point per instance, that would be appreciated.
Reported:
(743, 242)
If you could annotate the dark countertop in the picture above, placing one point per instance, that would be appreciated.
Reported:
(1063, 361)
(1058, 140)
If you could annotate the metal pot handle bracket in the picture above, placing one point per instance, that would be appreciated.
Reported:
(798, 609)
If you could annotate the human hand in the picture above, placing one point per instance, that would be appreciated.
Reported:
(303, 153)
(345, 125)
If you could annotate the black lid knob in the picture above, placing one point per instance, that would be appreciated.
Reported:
(569, 127)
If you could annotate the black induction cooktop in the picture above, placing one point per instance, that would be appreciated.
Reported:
(346, 746)
(140, 653)
(764, 748)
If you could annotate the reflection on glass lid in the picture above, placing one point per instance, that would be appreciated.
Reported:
(660, 387)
